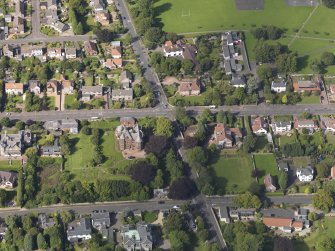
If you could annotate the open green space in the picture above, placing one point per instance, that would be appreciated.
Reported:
(233, 172)
(51, 103)
(285, 139)
(265, 164)
(6, 166)
(330, 138)
(212, 15)
(79, 162)
(69, 100)
(325, 226)
(310, 99)
(301, 161)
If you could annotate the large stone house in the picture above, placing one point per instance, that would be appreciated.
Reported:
(137, 238)
(81, 230)
(66, 125)
(12, 145)
(129, 135)
(14, 88)
(189, 87)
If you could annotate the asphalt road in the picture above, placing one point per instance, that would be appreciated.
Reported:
(35, 20)
(75, 38)
(141, 52)
(265, 110)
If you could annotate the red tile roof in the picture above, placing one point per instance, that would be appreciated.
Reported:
(277, 222)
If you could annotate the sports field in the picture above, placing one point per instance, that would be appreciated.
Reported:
(215, 15)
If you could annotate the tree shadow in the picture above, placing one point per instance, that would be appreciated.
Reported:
(302, 62)
(73, 143)
(158, 11)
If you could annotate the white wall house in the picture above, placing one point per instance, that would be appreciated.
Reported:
(278, 86)
(305, 174)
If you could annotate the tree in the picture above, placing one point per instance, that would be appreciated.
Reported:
(323, 200)
(327, 58)
(143, 24)
(182, 117)
(181, 189)
(287, 63)
(5, 122)
(142, 172)
(284, 99)
(86, 130)
(173, 165)
(197, 157)
(28, 242)
(190, 142)
(187, 65)
(41, 242)
(252, 85)
(329, 3)
(266, 52)
(3, 197)
(173, 222)
(312, 216)
(316, 66)
(247, 200)
(283, 179)
(249, 143)
(20, 125)
(206, 116)
(322, 170)
(282, 244)
(247, 241)
(104, 35)
(152, 37)
(179, 240)
(264, 72)
(157, 145)
(163, 127)
(324, 243)
(158, 182)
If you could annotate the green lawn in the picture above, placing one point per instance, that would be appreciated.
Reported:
(213, 15)
(79, 161)
(310, 99)
(4, 165)
(69, 100)
(266, 164)
(233, 173)
(284, 139)
(330, 138)
(301, 161)
(51, 103)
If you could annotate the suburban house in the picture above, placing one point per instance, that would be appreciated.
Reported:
(7, 179)
(12, 145)
(55, 53)
(268, 182)
(281, 127)
(89, 92)
(227, 67)
(137, 238)
(113, 63)
(283, 224)
(91, 48)
(101, 218)
(226, 52)
(308, 124)
(172, 50)
(283, 166)
(67, 125)
(67, 86)
(305, 174)
(53, 87)
(329, 124)
(81, 230)
(14, 88)
(242, 214)
(45, 221)
(307, 85)
(126, 78)
(103, 17)
(70, 53)
(278, 86)
(189, 87)
(122, 95)
(223, 214)
(129, 135)
(34, 86)
(98, 5)
(238, 81)
(225, 137)
(52, 150)
(116, 52)
(259, 126)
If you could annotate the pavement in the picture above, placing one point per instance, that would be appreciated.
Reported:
(247, 110)
(75, 38)
(35, 20)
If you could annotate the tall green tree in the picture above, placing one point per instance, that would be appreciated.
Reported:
(323, 200)
(283, 179)
(163, 127)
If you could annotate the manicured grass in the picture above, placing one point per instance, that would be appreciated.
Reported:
(266, 164)
(330, 138)
(150, 217)
(15, 166)
(211, 15)
(79, 162)
(301, 161)
(233, 173)
(284, 139)
(69, 100)
(51, 103)
(285, 118)
(310, 99)
(261, 143)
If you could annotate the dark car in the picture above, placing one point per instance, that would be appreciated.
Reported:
(161, 202)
